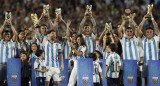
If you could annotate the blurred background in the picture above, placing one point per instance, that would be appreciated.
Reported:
(102, 10)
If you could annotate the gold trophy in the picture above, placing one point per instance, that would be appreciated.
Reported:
(127, 16)
(58, 12)
(34, 18)
(108, 28)
(150, 7)
(88, 8)
(45, 9)
(8, 17)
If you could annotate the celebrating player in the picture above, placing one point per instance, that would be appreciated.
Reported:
(78, 50)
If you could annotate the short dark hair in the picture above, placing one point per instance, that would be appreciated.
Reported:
(128, 28)
(74, 33)
(39, 52)
(113, 47)
(87, 23)
(37, 26)
(20, 31)
(93, 55)
(43, 25)
(51, 31)
(98, 53)
(147, 28)
(23, 52)
(7, 30)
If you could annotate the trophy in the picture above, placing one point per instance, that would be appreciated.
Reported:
(88, 8)
(34, 18)
(108, 28)
(150, 7)
(58, 12)
(127, 16)
(8, 17)
(45, 9)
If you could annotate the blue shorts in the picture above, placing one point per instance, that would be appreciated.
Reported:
(112, 81)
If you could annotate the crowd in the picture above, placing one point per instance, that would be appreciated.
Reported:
(114, 30)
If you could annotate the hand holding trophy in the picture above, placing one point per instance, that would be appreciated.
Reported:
(8, 17)
(127, 14)
(58, 14)
(34, 18)
(45, 10)
(150, 7)
(88, 12)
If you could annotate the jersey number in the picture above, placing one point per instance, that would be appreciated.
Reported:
(115, 66)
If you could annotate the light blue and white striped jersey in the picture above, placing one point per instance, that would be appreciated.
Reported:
(82, 49)
(42, 38)
(40, 64)
(150, 47)
(130, 49)
(99, 48)
(90, 41)
(22, 45)
(113, 62)
(66, 49)
(51, 51)
(7, 50)
(29, 42)
(96, 70)
(105, 55)
(39, 44)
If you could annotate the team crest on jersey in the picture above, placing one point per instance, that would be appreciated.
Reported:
(89, 39)
(51, 46)
(155, 79)
(14, 77)
(130, 78)
(62, 77)
(130, 40)
(85, 79)
(150, 40)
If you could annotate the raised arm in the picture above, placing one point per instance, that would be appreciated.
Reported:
(15, 34)
(102, 34)
(132, 20)
(52, 25)
(120, 29)
(61, 59)
(68, 32)
(141, 25)
(94, 24)
(104, 42)
(155, 25)
(2, 28)
(37, 34)
(82, 25)
(135, 26)
(42, 15)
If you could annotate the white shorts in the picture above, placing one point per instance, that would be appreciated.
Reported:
(54, 73)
